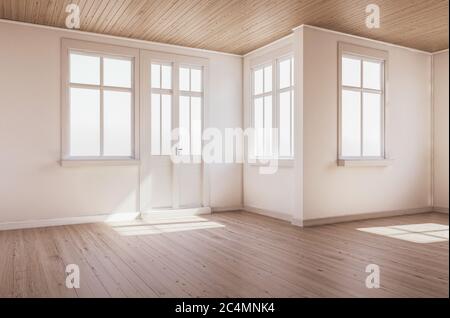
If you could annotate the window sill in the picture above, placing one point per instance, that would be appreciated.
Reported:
(364, 162)
(98, 162)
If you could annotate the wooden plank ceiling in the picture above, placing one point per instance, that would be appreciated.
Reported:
(240, 26)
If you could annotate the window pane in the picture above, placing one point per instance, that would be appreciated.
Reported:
(258, 81)
(196, 125)
(184, 124)
(267, 79)
(351, 72)
(84, 69)
(372, 124)
(84, 122)
(285, 124)
(372, 75)
(184, 79)
(117, 123)
(117, 72)
(196, 80)
(155, 122)
(351, 123)
(166, 76)
(156, 76)
(259, 127)
(166, 124)
(268, 126)
(285, 73)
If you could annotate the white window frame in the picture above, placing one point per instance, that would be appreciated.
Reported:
(363, 54)
(275, 93)
(104, 51)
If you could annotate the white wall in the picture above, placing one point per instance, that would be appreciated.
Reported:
(332, 191)
(33, 185)
(441, 131)
(272, 194)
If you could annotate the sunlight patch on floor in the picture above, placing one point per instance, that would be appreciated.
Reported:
(416, 233)
(159, 224)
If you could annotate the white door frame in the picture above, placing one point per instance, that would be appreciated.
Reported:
(145, 169)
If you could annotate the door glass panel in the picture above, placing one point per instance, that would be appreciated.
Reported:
(196, 125)
(184, 125)
(166, 125)
(155, 122)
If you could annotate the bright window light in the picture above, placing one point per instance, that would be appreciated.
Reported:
(84, 69)
(351, 72)
(117, 119)
(417, 233)
(361, 108)
(117, 72)
(84, 122)
(160, 224)
(101, 116)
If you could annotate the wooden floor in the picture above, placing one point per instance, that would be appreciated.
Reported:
(233, 254)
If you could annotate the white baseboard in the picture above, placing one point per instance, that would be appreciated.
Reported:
(188, 211)
(116, 217)
(297, 222)
(338, 219)
(272, 214)
(440, 209)
(364, 216)
(227, 209)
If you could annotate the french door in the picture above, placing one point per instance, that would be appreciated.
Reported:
(173, 174)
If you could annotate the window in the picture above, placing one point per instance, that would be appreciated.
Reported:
(99, 104)
(272, 102)
(161, 110)
(190, 110)
(362, 95)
